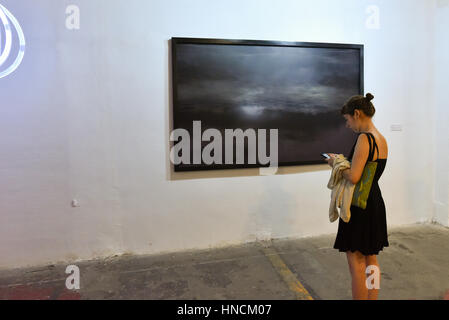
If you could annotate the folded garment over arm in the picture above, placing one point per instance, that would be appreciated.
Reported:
(342, 190)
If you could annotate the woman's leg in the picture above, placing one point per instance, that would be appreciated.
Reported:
(372, 261)
(357, 267)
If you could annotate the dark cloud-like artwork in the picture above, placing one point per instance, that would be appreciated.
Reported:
(297, 90)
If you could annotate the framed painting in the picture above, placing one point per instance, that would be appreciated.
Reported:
(295, 88)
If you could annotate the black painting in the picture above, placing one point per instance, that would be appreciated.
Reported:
(297, 88)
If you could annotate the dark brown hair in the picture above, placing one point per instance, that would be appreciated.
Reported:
(361, 103)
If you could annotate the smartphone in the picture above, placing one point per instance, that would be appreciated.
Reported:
(325, 155)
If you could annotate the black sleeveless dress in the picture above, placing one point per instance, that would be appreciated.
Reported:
(366, 231)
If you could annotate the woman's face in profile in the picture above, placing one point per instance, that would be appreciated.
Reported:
(350, 122)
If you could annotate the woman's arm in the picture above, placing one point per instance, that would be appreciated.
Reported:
(347, 175)
(359, 158)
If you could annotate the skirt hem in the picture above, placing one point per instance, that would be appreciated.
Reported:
(362, 251)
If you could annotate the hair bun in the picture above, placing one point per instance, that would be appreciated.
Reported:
(369, 97)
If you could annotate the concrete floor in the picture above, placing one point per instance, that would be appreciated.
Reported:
(415, 266)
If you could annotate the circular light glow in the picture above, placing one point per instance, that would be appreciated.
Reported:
(252, 110)
(8, 36)
(6, 17)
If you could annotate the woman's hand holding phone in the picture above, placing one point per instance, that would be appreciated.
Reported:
(331, 158)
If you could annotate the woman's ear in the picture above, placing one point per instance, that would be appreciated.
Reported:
(356, 113)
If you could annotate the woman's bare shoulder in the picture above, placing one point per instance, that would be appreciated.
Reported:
(384, 140)
(383, 144)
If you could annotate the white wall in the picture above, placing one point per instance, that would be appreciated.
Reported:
(441, 69)
(86, 116)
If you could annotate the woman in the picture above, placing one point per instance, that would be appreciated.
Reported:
(366, 232)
